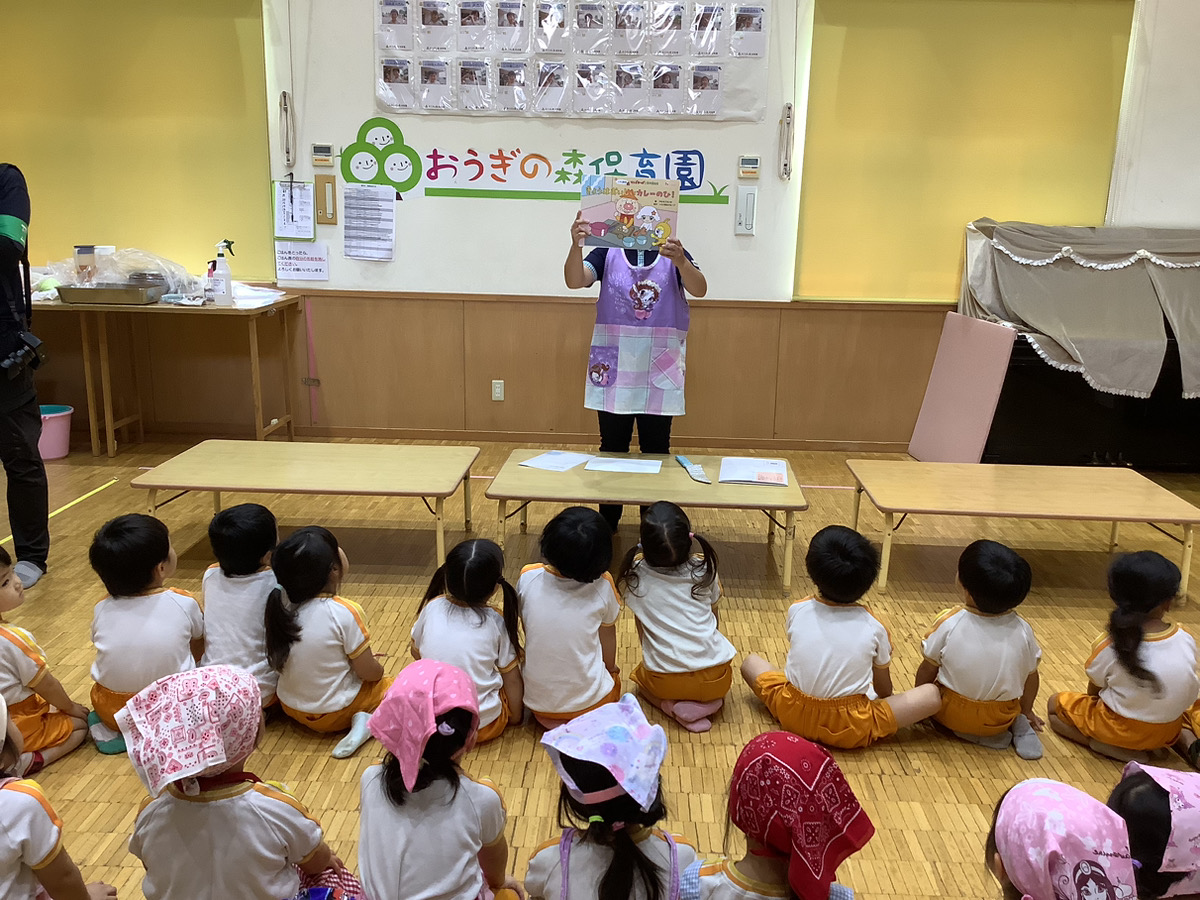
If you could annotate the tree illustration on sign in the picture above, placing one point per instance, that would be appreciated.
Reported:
(380, 156)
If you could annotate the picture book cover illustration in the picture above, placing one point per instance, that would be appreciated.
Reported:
(630, 213)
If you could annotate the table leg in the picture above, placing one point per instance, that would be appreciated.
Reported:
(1114, 536)
(789, 539)
(502, 508)
(1185, 564)
(216, 502)
(137, 393)
(106, 386)
(770, 525)
(889, 529)
(289, 390)
(524, 518)
(256, 379)
(858, 490)
(467, 500)
(150, 507)
(439, 508)
(89, 381)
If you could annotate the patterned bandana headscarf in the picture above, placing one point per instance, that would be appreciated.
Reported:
(196, 723)
(408, 714)
(1182, 853)
(1055, 841)
(618, 737)
(790, 796)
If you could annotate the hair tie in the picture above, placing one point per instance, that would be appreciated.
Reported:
(691, 535)
(1136, 864)
(279, 587)
(445, 729)
(595, 819)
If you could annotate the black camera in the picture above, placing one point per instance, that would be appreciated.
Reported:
(29, 354)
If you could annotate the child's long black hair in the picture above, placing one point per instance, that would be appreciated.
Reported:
(1146, 808)
(303, 562)
(990, 851)
(437, 761)
(470, 575)
(1138, 583)
(596, 822)
(666, 543)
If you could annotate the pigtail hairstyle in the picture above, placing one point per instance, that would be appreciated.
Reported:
(990, 852)
(471, 573)
(437, 762)
(1138, 583)
(666, 543)
(608, 824)
(1146, 808)
(303, 563)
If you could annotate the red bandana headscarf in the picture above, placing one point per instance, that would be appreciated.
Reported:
(789, 795)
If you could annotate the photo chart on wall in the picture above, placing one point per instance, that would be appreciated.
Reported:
(592, 88)
(550, 93)
(395, 29)
(435, 31)
(707, 29)
(629, 88)
(666, 29)
(666, 88)
(749, 37)
(511, 90)
(592, 35)
(550, 27)
(705, 94)
(474, 90)
(474, 31)
(395, 86)
(629, 29)
(435, 84)
(512, 30)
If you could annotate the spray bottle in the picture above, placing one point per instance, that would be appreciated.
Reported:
(220, 279)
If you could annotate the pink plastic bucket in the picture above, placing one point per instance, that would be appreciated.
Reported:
(55, 442)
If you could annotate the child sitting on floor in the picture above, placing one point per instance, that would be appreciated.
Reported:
(569, 607)
(984, 656)
(29, 688)
(210, 829)
(1050, 841)
(456, 625)
(609, 761)
(33, 862)
(426, 828)
(801, 821)
(1161, 809)
(839, 653)
(142, 630)
(329, 680)
(1142, 674)
(685, 669)
(236, 590)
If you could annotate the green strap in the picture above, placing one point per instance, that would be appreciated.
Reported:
(14, 228)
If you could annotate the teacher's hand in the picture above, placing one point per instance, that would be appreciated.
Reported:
(673, 250)
(579, 230)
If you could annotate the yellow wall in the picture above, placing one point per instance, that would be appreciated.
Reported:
(926, 114)
(142, 124)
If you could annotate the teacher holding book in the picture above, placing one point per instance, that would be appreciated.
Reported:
(638, 356)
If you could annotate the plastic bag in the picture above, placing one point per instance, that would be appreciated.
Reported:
(132, 266)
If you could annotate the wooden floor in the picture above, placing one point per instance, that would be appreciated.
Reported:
(930, 797)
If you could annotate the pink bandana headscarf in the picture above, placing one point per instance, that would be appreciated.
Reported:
(1057, 843)
(201, 722)
(789, 795)
(407, 716)
(1183, 846)
(618, 737)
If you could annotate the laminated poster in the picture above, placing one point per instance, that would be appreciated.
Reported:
(591, 29)
(473, 88)
(435, 84)
(551, 91)
(435, 31)
(666, 88)
(395, 29)
(473, 30)
(629, 29)
(511, 91)
(629, 88)
(706, 30)
(395, 85)
(629, 213)
(666, 29)
(705, 95)
(511, 30)
(550, 29)
(749, 37)
(591, 88)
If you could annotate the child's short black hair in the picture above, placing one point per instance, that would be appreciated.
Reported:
(126, 550)
(996, 576)
(241, 536)
(578, 543)
(841, 563)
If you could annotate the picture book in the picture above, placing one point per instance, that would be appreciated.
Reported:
(630, 213)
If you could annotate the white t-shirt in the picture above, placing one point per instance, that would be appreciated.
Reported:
(427, 849)
(721, 880)
(30, 838)
(317, 677)
(144, 638)
(242, 840)
(475, 640)
(564, 667)
(589, 862)
(22, 663)
(1170, 654)
(834, 647)
(982, 657)
(679, 631)
(234, 625)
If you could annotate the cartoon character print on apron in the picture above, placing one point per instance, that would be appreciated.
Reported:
(638, 356)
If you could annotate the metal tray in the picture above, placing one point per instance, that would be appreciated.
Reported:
(118, 294)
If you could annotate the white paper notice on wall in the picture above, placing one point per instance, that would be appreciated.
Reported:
(296, 261)
(369, 215)
(294, 217)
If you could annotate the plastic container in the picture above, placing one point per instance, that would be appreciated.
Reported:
(55, 442)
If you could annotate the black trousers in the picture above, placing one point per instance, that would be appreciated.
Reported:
(28, 495)
(616, 434)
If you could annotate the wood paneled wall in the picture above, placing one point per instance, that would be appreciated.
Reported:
(815, 375)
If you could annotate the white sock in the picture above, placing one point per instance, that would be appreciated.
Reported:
(359, 735)
(102, 734)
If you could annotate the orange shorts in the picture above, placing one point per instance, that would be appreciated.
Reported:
(1088, 714)
(978, 717)
(369, 696)
(39, 725)
(845, 722)
(1191, 719)
(108, 703)
(496, 727)
(611, 697)
(702, 687)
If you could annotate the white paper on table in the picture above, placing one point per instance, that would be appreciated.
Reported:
(295, 216)
(369, 216)
(557, 460)
(302, 261)
(633, 466)
(750, 470)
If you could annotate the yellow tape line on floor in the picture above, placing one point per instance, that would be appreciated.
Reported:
(77, 500)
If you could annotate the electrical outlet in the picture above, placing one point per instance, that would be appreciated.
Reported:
(497, 390)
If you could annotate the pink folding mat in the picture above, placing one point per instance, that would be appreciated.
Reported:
(964, 387)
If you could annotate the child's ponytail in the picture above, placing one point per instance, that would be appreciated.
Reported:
(437, 586)
(303, 562)
(437, 759)
(707, 565)
(512, 614)
(1139, 583)
(282, 629)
